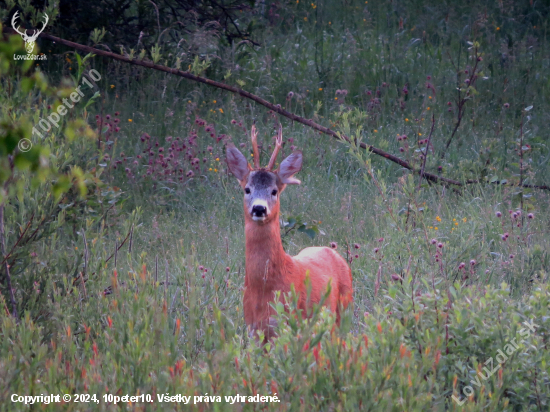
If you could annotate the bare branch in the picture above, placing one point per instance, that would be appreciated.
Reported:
(427, 150)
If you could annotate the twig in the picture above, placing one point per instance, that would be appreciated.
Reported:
(521, 163)
(83, 285)
(537, 391)
(449, 306)
(174, 299)
(158, 18)
(233, 23)
(166, 282)
(461, 100)
(85, 263)
(131, 237)
(412, 282)
(378, 279)
(18, 240)
(116, 251)
(427, 151)
(117, 248)
(541, 187)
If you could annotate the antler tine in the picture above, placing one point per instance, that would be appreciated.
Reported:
(44, 26)
(13, 19)
(254, 138)
(278, 145)
(37, 32)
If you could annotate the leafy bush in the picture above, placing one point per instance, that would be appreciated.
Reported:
(415, 354)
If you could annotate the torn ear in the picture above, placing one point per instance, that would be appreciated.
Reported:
(237, 162)
(289, 167)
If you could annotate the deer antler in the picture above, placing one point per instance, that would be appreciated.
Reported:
(254, 138)
(278, 145)
(37, 32)
(13, 19)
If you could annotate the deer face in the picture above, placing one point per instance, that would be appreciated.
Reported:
(261, 194)
(262, 186)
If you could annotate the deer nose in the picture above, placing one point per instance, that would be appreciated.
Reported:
(259, 211)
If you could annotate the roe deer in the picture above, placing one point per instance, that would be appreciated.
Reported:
(268, 267)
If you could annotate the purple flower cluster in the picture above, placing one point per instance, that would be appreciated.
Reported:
(175, 159)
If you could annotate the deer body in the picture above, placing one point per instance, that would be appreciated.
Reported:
(268, 268)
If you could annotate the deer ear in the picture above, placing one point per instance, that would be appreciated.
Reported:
(237, 162)
(289, 167)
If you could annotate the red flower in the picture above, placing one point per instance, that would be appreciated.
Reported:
(316, 352)
(437, 357)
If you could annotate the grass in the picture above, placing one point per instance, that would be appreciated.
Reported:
(163, 314)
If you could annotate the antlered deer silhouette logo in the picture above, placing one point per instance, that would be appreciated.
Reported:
(29, 40)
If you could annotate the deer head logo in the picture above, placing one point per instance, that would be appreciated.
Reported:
(29, 40)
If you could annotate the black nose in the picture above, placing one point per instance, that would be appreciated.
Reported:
(259, 211)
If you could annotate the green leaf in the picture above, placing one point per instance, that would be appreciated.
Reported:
(316, 339)
(61, 186)
(22, 162)
(27, 84)
(92, 99)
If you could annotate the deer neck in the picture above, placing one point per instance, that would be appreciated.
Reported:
(265, 256)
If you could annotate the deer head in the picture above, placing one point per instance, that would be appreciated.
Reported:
(262, 186)
(29, 40)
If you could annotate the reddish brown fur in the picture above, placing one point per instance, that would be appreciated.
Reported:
(270, 269)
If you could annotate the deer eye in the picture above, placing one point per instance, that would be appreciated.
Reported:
(247, 191)
(274, 193)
